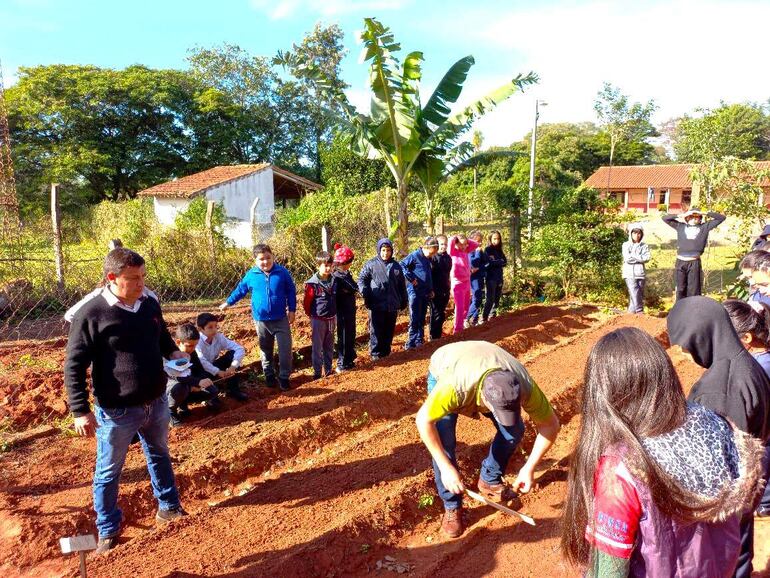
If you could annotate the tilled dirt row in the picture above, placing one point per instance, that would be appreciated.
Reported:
(339, 515)
(42, 503)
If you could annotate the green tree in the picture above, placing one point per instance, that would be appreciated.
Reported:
(397, 128)
(351, 173)
(103, 133)
(621, 119)
(323, 47)
(731, 130)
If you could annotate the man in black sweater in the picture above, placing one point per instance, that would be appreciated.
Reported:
(121, 335)
(691, 238)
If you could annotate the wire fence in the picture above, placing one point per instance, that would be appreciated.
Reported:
(35, 294)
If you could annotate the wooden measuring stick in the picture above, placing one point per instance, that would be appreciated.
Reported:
(483, 500)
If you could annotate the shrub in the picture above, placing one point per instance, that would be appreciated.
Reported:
(357, 221)
(129, 221)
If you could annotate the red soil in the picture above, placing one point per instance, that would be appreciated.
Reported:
(324, 481)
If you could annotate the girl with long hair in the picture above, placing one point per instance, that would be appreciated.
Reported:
(657, 486)
(496, 260)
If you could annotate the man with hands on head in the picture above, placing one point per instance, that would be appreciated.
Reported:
(472, 378)
(121, 335)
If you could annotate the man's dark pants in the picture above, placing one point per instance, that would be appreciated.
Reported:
(382, 326)
(688, 276)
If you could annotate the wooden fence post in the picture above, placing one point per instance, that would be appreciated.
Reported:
(324, 238)
(57, 250)
(209, 228)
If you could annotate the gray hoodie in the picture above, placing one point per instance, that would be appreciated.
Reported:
(635, 255)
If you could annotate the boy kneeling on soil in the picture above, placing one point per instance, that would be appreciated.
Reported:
(220, 357)
(192, 383)
(469, 378)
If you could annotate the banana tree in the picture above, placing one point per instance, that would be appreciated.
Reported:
(398, 129)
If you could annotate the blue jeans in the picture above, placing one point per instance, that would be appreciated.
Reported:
(477, 300)
(493, 466)
(418, 310)
(117, 427)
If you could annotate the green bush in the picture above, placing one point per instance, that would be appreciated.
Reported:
(357, 221)
(129, 221)
(582, 250)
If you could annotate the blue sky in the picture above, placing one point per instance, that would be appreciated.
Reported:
(682, 53)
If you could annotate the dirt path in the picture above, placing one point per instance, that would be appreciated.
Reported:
(329, 480)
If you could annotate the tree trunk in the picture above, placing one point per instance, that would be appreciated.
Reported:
(429, 213)
(402, 240)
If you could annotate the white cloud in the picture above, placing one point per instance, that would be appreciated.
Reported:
(683, 54)
(280, 9)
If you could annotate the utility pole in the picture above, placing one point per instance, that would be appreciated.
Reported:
(530, 201)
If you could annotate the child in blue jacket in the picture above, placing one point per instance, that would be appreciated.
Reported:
(419, 288)
(273, 306)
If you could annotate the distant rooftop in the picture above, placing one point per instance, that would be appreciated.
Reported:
(655, 176)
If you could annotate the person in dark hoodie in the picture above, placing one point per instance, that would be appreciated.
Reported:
(419, 287)
(381, 283)
(346, 307)
(734, 384)
(657, 486)
(441, 270)
(691, 238)
(496, 260)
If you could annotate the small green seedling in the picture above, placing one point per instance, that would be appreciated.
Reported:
(361, 420)
(425, 501)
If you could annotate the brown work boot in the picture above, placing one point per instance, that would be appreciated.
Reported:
(452, 524)
(500, 492)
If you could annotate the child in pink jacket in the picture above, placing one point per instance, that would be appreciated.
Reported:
(460, 249)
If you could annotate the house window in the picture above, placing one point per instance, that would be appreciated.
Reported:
(686, 197)
(662, 198)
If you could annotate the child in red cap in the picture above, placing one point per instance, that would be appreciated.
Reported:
(346, 307)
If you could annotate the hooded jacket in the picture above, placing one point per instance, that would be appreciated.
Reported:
(635, 255)
(461, 262)
(320, 300)
(762, 238)
(717, 466)
(272, 293)
(382, 283)
(416, 267)
(734, 385)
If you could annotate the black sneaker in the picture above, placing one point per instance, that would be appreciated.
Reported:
(271, 382)
(284, 383)
(183, 411)
(237, 394)
(317, 376)
(104, 545)
(213, 405)
(166, 516)
(176, 419)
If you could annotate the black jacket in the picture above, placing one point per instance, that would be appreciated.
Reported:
(734, 384)
(382, 285)
(496, 260)
(346, 289)
(441, 269)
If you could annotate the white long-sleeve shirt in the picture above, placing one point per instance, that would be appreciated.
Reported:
(208, 352)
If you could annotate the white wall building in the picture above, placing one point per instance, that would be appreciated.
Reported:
(249, 195)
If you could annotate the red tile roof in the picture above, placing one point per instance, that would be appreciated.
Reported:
(643, 176)
(195, 184)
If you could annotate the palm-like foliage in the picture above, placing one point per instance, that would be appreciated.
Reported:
(410, 138)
